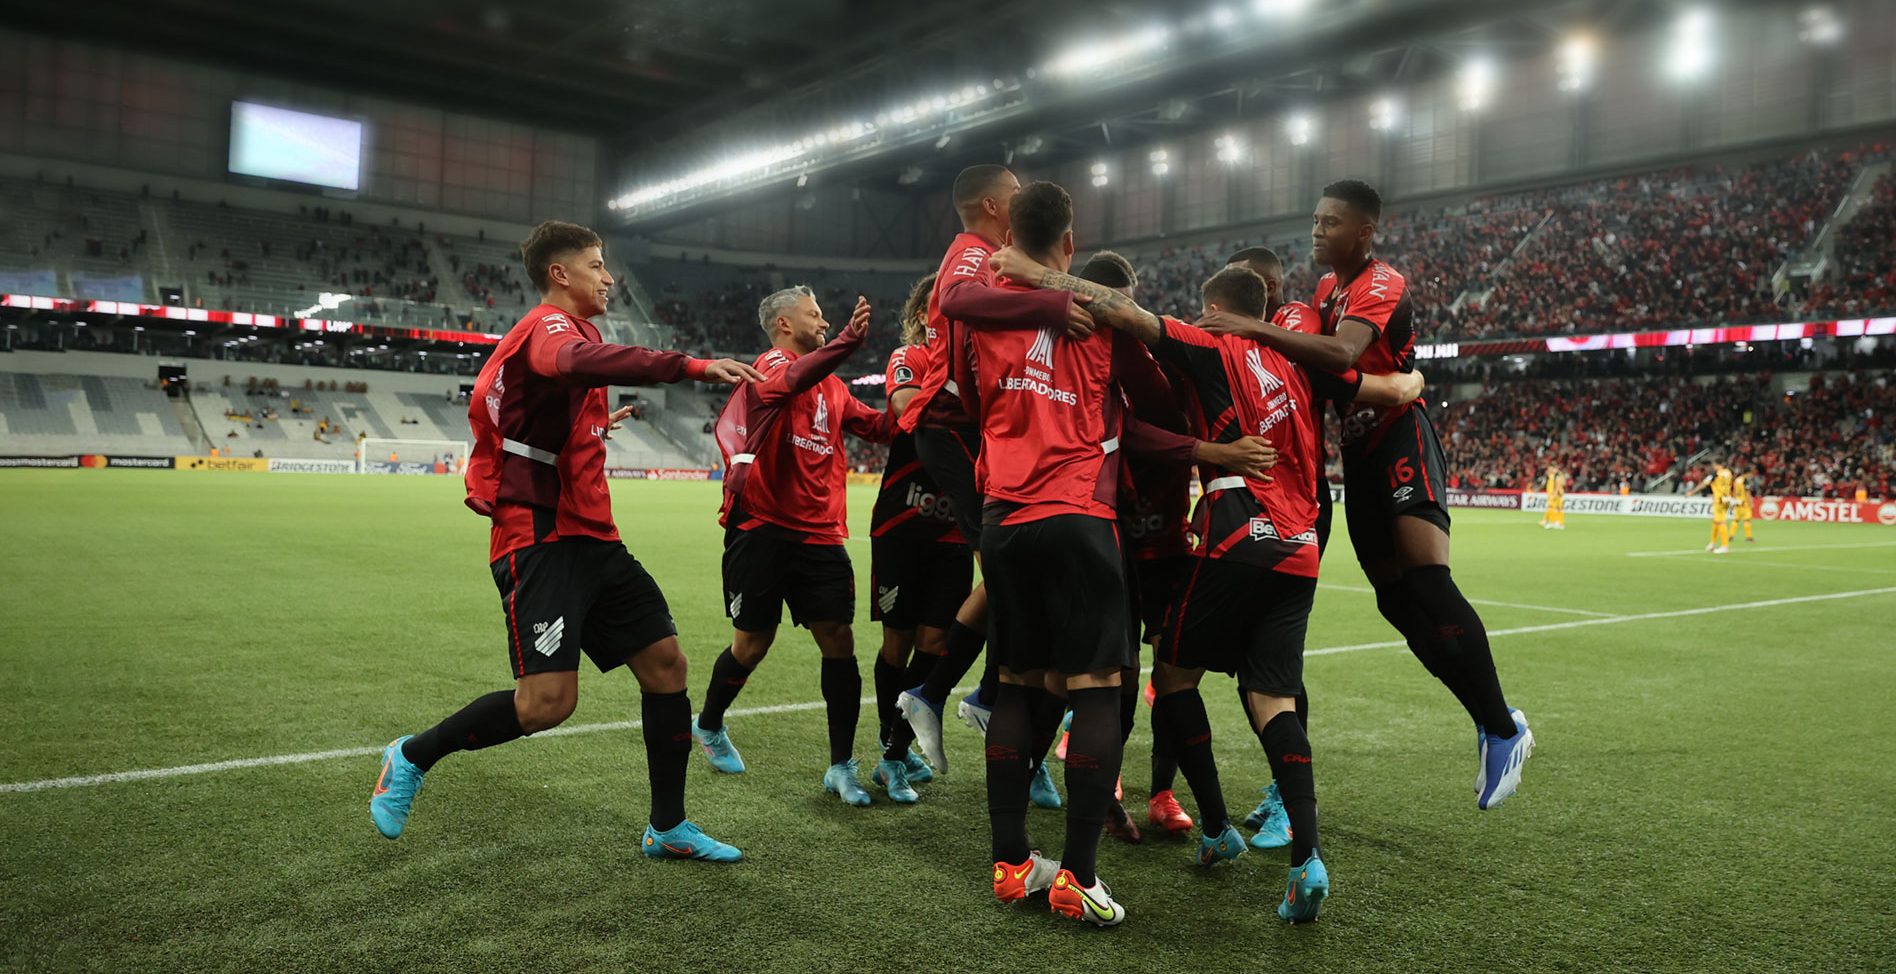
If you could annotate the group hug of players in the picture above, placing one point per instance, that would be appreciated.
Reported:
(1041, 422)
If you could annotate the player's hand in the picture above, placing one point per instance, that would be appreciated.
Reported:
(612, 422)
(858, 319)
(730, 372)
(1409, 385)
(1227, 323)
(1079, 322)
(1247, 456)
(1009, 262)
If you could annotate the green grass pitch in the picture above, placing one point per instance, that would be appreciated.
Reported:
(1712, 790)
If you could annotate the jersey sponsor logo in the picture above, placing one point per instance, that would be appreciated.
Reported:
(1042, 349)
(930, 504)
(547, 636)
(822, 422)
(886, 596)
(556, 323)
(1263, 530)
(813, 445)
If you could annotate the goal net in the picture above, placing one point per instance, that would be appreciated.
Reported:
(410, 456)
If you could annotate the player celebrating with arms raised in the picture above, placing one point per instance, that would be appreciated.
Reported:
(566, 581)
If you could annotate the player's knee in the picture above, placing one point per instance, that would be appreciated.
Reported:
(896, 643)
(661, 667)
(544, 709)
(835, 640)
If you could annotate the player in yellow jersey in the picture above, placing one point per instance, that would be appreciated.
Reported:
(1556, 516)
(1720, 485)
(1741, 503)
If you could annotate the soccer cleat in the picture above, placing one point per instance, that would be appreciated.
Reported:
(840, 780)
(1723, 549)
(893, 777)
(1270, 820)
(1041, 790)
(395, 790)
(1305, 891)
(1014, 882)
(1562, 526)
(717, 747)
(919, 773)
(686, 841)
(1223, 847)
(974, 712)
(1481, 759)
(1502, 760)
(1066, 730)
(924, 718)
(1151, 693)
(1711, 546)
(1094, 903)
(1164, 811)
(1120, 826)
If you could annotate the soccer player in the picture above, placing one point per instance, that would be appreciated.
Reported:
(1720, 486)
(947, 439)
(784, 518)
(1741, 501)
(566, 581)
(1051, 416)
(1393, 475)
(921, 568)
(1556, 514)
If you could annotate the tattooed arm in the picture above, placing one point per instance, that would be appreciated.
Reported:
(1105, 304)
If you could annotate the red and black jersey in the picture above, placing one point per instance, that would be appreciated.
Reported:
(1050, 420)
(1378, 297)
(964, 277)
(539, 416)
(1242, 388)
(1155, 503)
(782, 443)
(910, 505)
(1298, 316)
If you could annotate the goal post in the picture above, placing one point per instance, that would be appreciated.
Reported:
(380, 455)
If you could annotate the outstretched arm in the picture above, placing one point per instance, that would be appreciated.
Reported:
(581, 362)
(1331, 353)
(1106, 305)
(810, 369)
(1390, 390)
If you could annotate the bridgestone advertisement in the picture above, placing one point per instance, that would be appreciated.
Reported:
(312, 466)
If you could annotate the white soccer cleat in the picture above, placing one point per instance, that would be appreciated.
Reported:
(925, 719)
(1722, 549)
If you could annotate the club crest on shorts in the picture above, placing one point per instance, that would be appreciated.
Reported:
(547, 636)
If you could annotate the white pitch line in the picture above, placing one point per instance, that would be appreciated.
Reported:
(1505, 605)
(147, 774)
(1762, 551)
(1748, 562)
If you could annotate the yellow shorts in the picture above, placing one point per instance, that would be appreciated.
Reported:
(1744, 513)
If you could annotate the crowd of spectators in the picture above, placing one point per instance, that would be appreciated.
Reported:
(1826, 439)
(1863, 279)
(723, 320)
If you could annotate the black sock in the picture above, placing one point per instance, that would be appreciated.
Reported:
(842, 698)
(1092, 765)
(728, 677)
(666, 721)
(1397, 603)
(1303, 708)
(990, 679)
(1288, 749)
(1188, 729)
(1048, 710)
(889, 685)
(1128, 710)
(1009, 737)
(964, 644)
(895, 746)
(488, 721)
(1164, 762)
(1464, 644)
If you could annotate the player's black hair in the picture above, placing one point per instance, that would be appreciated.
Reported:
(976, 182)
(1237, 288)
(1109, 269)
(551, 241)
(1256, 255)
(1359, 195)
(1041, 213)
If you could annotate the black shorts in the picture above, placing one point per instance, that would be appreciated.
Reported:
(768, 566)
(918, 583)
(1156, 582)
(1057, 595)
(1401, 475)
(561, 596)
(1241, 619)
(948, 456)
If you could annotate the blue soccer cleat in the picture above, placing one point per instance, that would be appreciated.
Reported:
(893, 777)
(1041, 790)
(1501, 762)
(1223, 847)
(924, 717)
(919, 773)
(840, 780)
(686, 841)
(975, 712)
(1270, 820)
(717, 747)
(395, 790)
(1304, 893)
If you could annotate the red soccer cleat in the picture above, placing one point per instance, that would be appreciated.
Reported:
(1164, 811)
